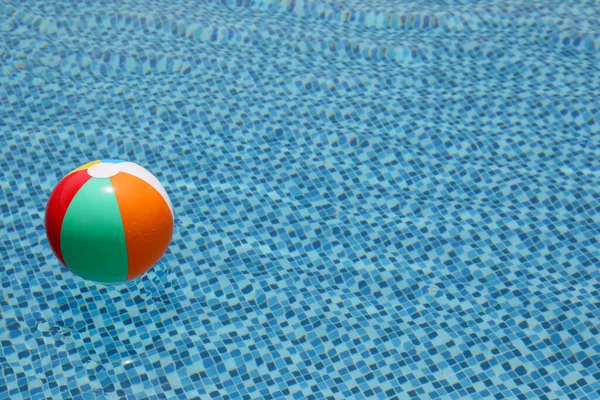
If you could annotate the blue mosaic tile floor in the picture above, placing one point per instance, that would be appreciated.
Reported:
(374, 199)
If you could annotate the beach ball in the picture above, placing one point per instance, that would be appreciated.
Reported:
(109, 221)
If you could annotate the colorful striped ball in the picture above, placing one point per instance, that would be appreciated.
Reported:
(109, 221)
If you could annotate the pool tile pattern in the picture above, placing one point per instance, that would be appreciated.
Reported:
(373, 199)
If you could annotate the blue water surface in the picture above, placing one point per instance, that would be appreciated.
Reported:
(374, 199)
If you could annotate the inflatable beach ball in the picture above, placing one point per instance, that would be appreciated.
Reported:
(109, 221)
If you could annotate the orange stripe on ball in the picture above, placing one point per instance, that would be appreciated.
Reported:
(147, 222)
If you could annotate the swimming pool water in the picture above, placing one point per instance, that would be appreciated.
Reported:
(374, 199)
